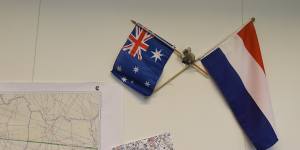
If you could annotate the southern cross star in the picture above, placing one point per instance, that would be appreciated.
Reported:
(119, 68)
(147, 83)
(124, 79)
(135, 69)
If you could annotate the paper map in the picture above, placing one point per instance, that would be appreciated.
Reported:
(160, 142)
(49, 120)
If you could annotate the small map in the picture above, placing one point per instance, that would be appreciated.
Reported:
(159, 142)
(50, 121)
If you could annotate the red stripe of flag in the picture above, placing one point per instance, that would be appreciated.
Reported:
(249, 37)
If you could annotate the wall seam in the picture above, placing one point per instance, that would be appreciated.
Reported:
(36, 41)
(242, 22)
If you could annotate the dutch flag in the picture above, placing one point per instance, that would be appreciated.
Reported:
(237, 68)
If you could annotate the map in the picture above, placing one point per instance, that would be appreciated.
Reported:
(50, 121)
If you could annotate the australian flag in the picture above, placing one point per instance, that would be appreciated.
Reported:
(141, 61)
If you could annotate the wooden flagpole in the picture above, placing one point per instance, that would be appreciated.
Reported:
(172, 78)
(195, 66)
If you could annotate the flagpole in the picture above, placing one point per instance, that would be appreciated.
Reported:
(171, 79)
(154, 34)
(177, 52)
(199, 69)
(195, 66)
(252, 19)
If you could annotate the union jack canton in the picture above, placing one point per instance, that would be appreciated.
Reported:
(141, 61)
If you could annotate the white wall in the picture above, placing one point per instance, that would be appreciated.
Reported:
(78, 41)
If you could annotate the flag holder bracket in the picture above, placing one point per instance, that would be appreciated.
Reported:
(187, 58)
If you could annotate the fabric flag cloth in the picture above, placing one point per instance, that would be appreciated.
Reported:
(141, 61)
(237, 68)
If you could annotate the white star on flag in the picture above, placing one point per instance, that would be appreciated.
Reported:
(119, 68)
(157, 55)
(124, 79)
(147, 83)
(135, 69)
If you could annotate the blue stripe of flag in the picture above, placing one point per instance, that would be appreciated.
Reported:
(250, 117)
